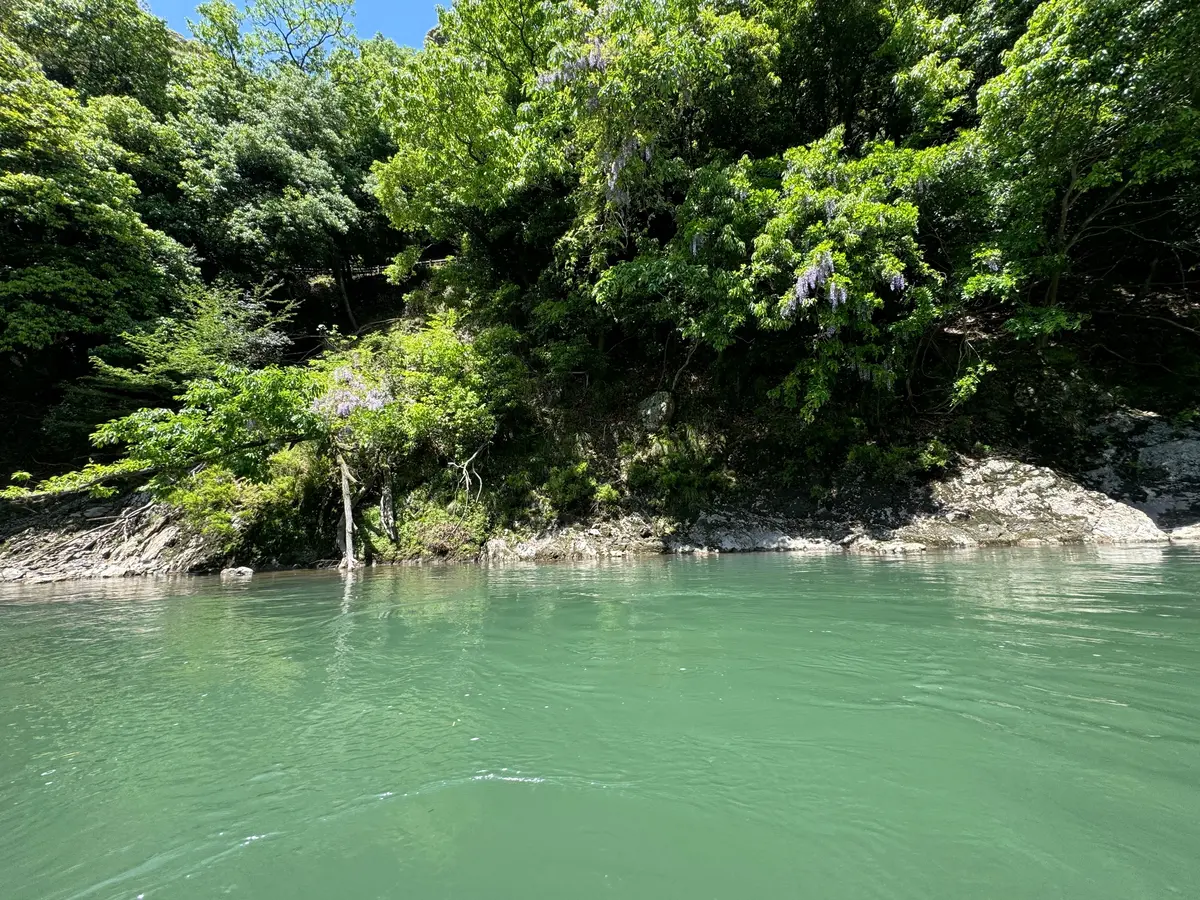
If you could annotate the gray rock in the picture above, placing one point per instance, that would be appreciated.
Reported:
(991, 502)
(497, 550)
(238, 572)
(656, 410)
(626, 536)
(864, 544)
(1005, 502)
(1189, 534)
(726, 532)
(134, 536)
(1180, 458)
(1149, 463)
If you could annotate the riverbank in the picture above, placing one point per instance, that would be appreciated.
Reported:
(992, 502)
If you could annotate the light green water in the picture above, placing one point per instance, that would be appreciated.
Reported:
(1007, 725)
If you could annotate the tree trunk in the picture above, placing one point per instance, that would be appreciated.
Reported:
(341, 283)
(1052, 290)
(387, 508)
(348, 514)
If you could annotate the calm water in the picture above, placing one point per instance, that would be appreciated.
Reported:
(1008, 725)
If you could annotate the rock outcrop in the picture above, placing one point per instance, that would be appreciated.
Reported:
(626, 536)
(1005, 502)
(657, 410)
(1154, 466)
(728, 532)
(83, 538)
(990, 502)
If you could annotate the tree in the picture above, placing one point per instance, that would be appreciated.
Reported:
(304, 34)
(1090, 137)
(79, 262)
(96, 47)
(268, 185)
(401, 405)
(276, 174)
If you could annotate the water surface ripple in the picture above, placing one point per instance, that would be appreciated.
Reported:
(990, 725)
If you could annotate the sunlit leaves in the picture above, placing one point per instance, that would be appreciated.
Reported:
(1095, 102)
(77, 257)
(843, 248)
(237, 418)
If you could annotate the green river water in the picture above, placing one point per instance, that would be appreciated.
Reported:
(1008, 725)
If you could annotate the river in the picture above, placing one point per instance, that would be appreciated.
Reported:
(1020, 724)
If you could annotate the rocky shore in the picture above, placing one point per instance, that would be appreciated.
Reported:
(983, 503)
(84, 538)
(1144, 488)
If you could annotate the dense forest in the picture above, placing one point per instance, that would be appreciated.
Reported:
(576, 258)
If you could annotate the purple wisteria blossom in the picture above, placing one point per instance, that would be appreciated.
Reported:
(813, 278)
(898, 283)
(593, 60)
(350, 393)
(615, 166)
(837, 295)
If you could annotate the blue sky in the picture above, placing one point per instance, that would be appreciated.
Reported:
(404, 21)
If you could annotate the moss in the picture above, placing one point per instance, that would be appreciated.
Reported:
(427, 526)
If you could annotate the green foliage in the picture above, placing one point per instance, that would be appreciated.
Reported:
(216, 501)
(883, 464)
(454, 111)
(878, 463)
(678, 472)
(967, 385)
(843, 243)
(1090, 130)
(93, 478)
(428, 525)
(1033, 322)
(431, 395)
(277, 184)
(215, 327)
(239, 418)
(934, 455)
(607, 496)
(96, 47)
(569, 489)
(249, 515)
(844, 221)
(78, 259)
